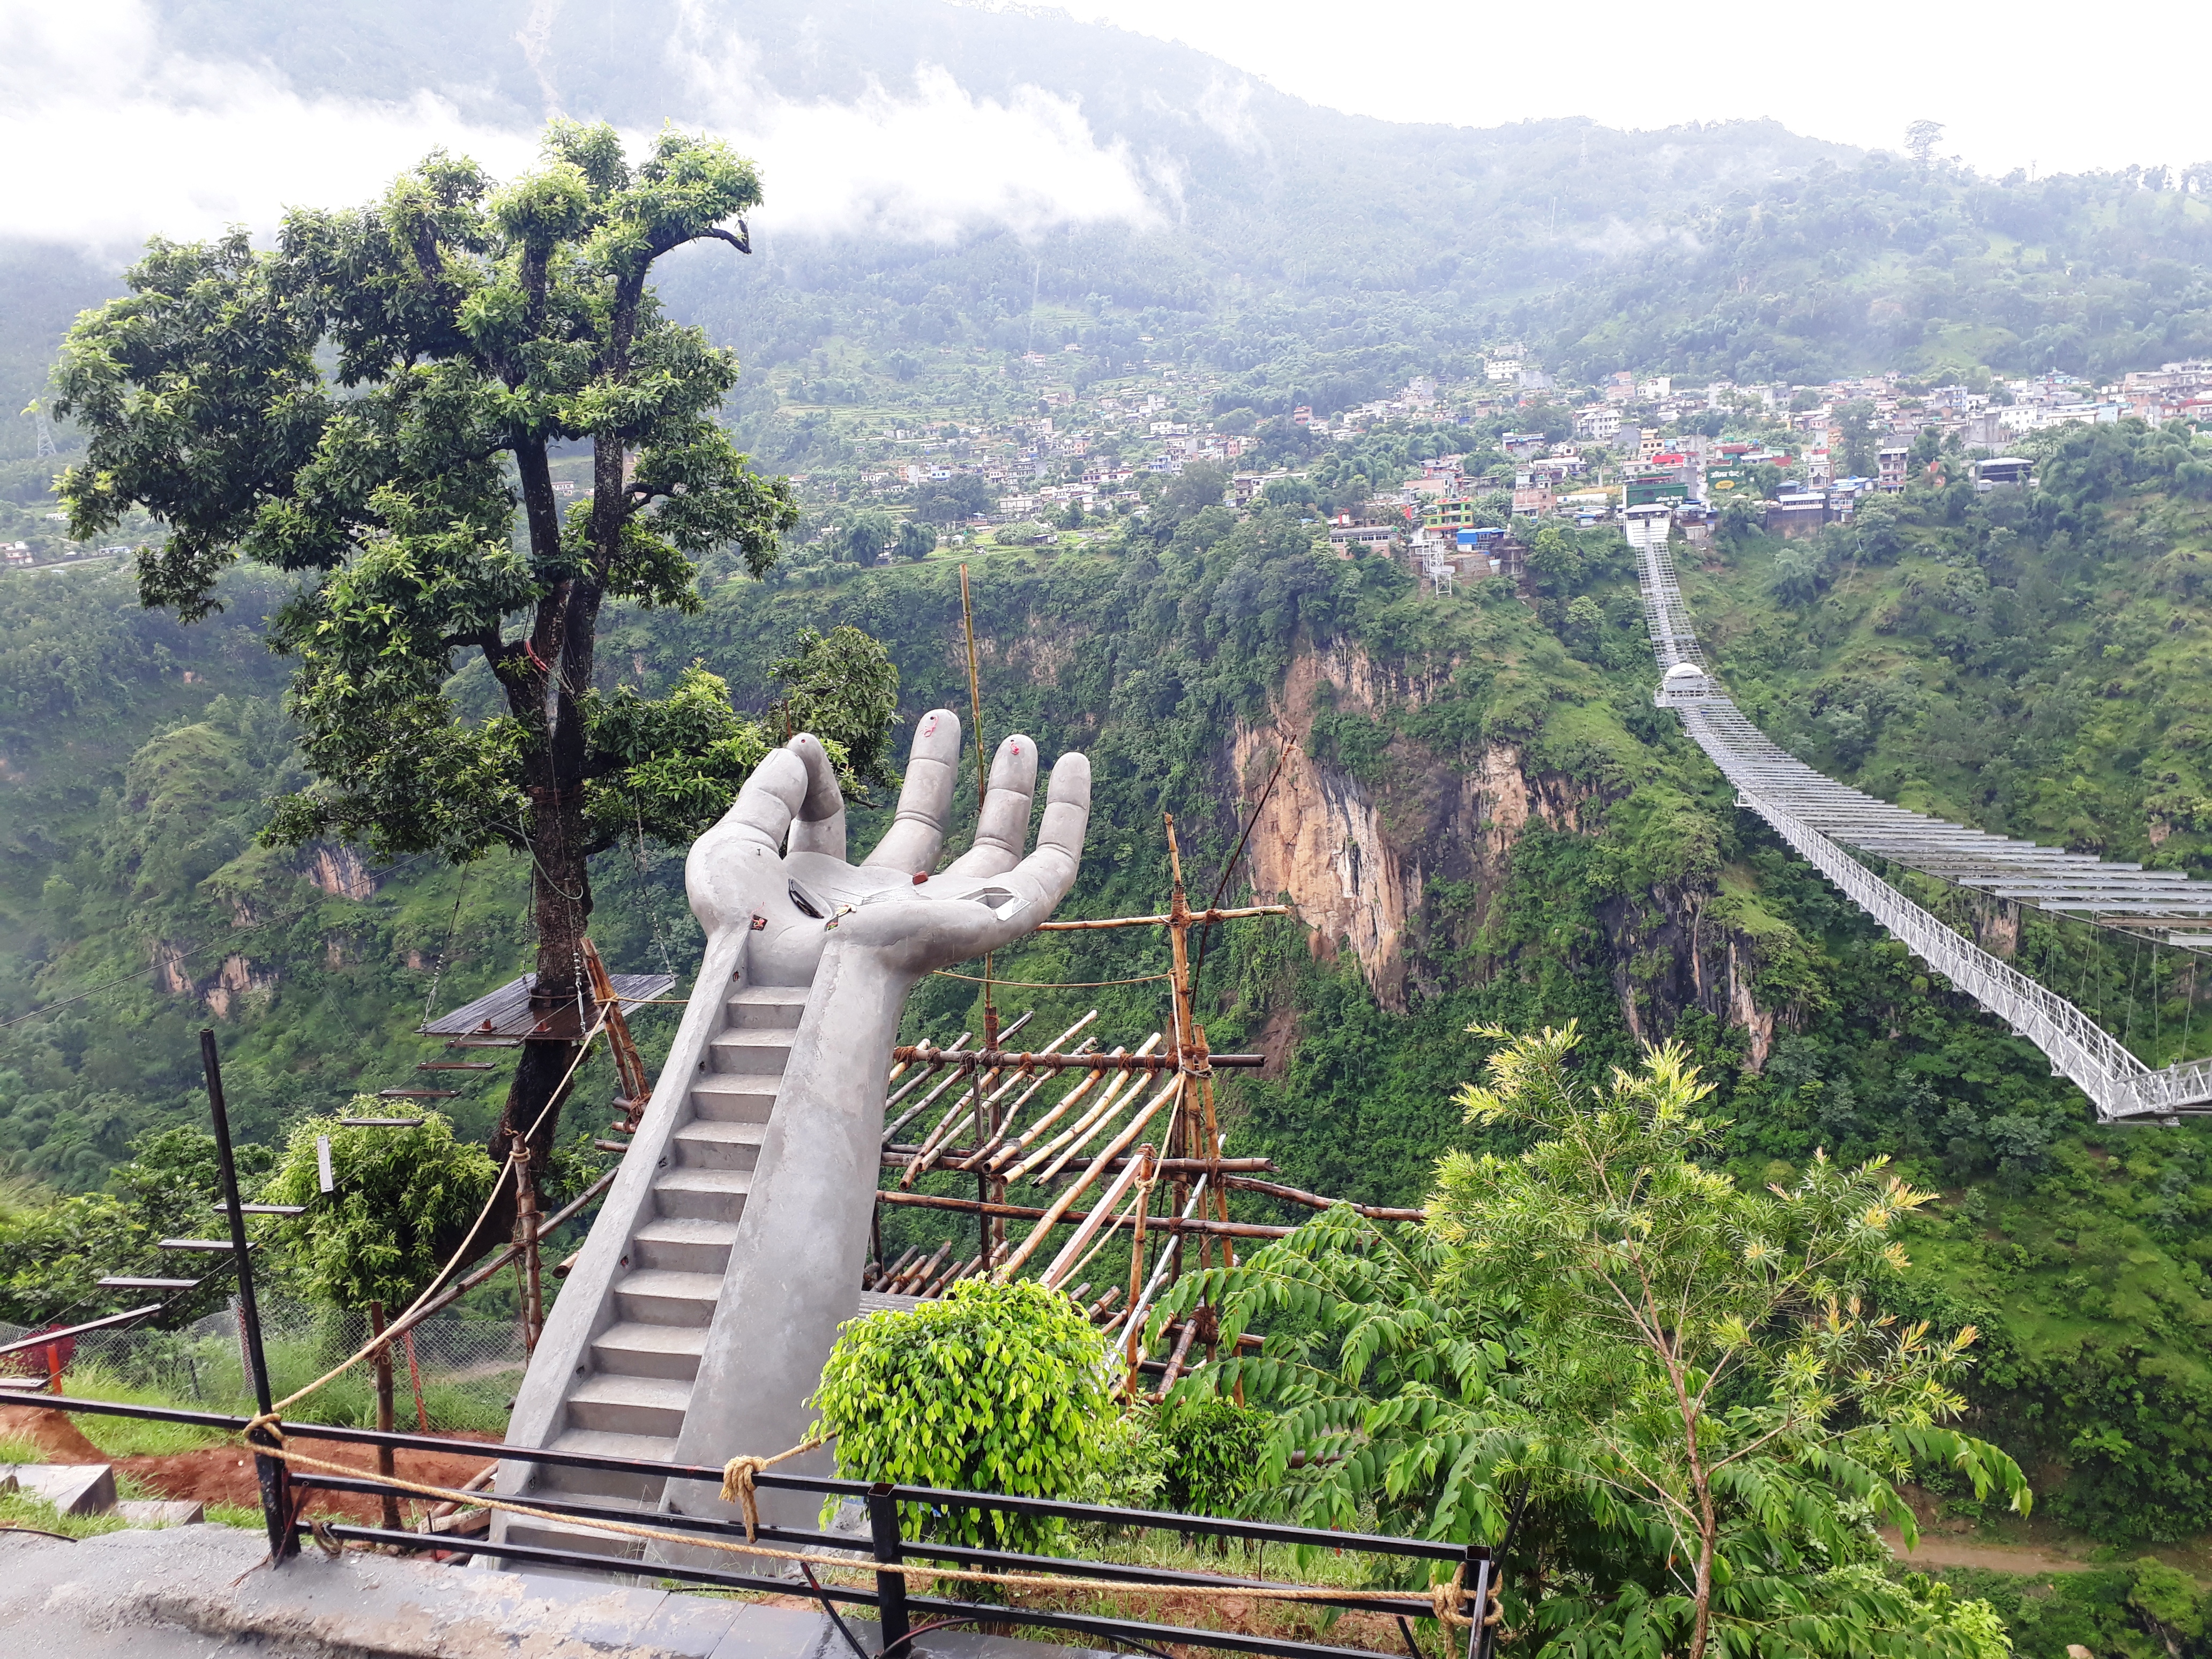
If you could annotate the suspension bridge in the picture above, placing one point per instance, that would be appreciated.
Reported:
(1826, 822)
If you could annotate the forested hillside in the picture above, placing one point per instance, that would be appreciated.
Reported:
(1484, 820)
(1481, 819)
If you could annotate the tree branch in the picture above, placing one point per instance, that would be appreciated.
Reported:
(742, 241)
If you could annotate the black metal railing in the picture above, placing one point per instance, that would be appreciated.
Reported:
(895, 1605)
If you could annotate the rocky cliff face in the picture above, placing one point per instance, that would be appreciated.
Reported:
(1359, 858)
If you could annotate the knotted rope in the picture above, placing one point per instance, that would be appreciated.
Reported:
(1440, 1596)
(737, 1479)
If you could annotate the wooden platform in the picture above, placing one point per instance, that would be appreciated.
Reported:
(505, 1012)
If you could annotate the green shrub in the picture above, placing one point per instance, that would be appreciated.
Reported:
(1212, 1454)
(995, 1387)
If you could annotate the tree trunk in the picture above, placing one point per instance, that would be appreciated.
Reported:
(386, 1461)
(546, 684)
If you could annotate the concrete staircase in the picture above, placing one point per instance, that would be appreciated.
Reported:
(629, 1396)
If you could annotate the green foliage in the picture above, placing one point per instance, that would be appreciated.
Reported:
(402, 1198)
(54, 1250)
(1212, 1455)
(473, 327)
(842, 687)
(1683, 1379)
(993, 1387)
(2120, 1610)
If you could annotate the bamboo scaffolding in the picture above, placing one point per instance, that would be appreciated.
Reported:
(895, 1157)
(1059, 1206)
(1194, 919)
(1072, 1254)
(1194, 1225)
(934, 1148)
(965, 1106)
(1126, 1219)
(969, 1159)
(899, 1068)
(998, 1059)
(920, 1106)
(1022, 1141)
(1172, 1092)
(1119, 1089)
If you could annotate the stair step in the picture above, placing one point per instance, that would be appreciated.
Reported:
(705, 1145)
(639, 1489)
(630, 1405)
(688, 1246)
(733, 1097)
(766, 1007)
(634, 1349)
(754, 1054)
(662, 1296)
(573, 1539)
(702, 1194)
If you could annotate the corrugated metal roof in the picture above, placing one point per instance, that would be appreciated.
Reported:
(506, 1011)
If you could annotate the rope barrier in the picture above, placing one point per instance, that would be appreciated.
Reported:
(737, 1480)
(417, 1310)
(1440, 1602)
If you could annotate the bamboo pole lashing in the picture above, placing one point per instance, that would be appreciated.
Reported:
(920, 1106)
(912, 1083)
(1081, 1088)
(966, 1106)
(1073, 1254)
(1013, 1113)
(1052, 1170)
(1198, 919)
(1122, 1084)
(1061, 1205)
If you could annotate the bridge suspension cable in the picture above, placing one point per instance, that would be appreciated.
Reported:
(1819, 818)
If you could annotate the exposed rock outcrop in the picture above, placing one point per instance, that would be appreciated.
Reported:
(338, 869)
(239, 977)
(1359, 858)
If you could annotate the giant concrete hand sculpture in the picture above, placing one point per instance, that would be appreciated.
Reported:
(695, 1321)
(775, 865)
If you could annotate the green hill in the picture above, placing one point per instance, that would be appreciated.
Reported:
(1485, 820)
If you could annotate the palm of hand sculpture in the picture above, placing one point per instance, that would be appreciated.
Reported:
(776, 863)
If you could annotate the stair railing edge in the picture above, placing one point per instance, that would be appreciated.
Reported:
(585, 1308)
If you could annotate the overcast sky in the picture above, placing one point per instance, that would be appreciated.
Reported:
(119, 137)
(2019, 84)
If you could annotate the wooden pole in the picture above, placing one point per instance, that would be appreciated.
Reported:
(525, 1228)
(1178, 1135)
(990, 1231)
(386, 1463)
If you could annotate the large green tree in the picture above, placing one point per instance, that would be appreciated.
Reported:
(375, 405)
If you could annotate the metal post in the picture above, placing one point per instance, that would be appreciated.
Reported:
(891, 1587)
(1477, 1635)
(275, 1478)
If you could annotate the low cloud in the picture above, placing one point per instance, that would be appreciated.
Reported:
(928, 165)
(116, 141)
(131, 141)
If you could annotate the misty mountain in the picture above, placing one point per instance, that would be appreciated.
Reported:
(949, 174)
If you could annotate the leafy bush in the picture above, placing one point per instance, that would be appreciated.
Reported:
(995, 1387)
(1212, 1455)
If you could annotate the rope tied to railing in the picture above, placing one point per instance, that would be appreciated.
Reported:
(737, 1479)
(1447, 1595)
(1446, 1599)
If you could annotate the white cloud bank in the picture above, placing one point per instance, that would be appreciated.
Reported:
(115, 141)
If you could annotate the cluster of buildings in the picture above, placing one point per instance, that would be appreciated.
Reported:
(1640, 450)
